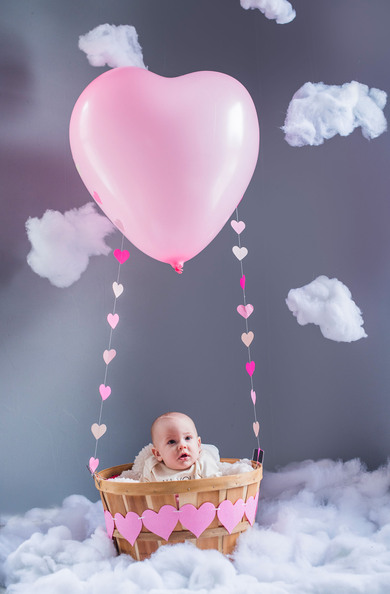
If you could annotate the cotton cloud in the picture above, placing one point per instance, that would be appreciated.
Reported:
(279, 10)
(322, 527)
(112, 45)
(328, 304)
(318, 112)
(63, 243)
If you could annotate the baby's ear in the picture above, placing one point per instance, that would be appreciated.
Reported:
(157, 454)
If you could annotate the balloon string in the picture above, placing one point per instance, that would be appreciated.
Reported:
(109, 347)
(247, 330)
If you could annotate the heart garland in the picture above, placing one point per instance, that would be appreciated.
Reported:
(245, 310)
(196, 520)
(99, 429)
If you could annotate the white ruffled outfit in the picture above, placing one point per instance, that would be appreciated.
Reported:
(205, 466)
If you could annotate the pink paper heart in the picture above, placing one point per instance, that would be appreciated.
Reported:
(129, 527)
(240, 252)
(109, 523)
(121, 255)
(98, 430)
(230, 515)
(256, 428)
(251, 508)
(238, 226)
(109, 355)
(161, 523)
(197, 520)
(250, 367)
(253, 396)
(117, 288)
(247, 338)
(105, 391)
(93, 464)
(113, 320)
(245, 310)
(96, 197)
(242, 282)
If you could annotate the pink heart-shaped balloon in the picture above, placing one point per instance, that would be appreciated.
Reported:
(129, 526)
(251, 508)
(105, 391)
(250, 368)
(93, 464)
(161, 523)
(113, 320)
(169, 157)
(121, 255)
(245, 310)
(197, 520)
(109, 523)
(230, 515)
(109, 355)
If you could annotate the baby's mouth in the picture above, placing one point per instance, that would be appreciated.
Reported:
(184, 457)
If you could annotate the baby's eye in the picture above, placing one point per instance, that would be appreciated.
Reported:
(188, 437)
(171, 442)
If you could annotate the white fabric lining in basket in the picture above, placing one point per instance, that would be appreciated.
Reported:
(226, 468)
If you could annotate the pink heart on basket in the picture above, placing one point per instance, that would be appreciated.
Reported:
(161, 523)
(247, 338)
(230, 515)
(113, 320)
(238, 226)
(109, 523)
(117, 288)
(93, 464)
(129, 527)
(242, 282)
(121, 255)
(251, 508)
(245, 310)
(197, 520)
(250, 367)
(109, 355)
(105, 391)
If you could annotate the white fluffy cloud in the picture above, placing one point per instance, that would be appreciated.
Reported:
(328, 303)
(112, 45)
(63, 243)
(318, 112)
(279, 10)
(322, 527)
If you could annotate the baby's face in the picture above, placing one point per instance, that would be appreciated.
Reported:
(176, 443)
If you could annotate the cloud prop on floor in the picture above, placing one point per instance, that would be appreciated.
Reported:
(327, 302)
(63, 243)
(279, 10)
(318, 112)
(323, 527)
(112, 45)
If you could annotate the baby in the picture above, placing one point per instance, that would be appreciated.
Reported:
(177, 453)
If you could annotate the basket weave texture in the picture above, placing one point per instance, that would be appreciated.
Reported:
(124, 497)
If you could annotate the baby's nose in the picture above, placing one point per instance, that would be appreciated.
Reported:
(182, 444)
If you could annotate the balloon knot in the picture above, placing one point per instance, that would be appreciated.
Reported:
(178, 267)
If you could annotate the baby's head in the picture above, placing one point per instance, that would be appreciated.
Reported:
(175, 440)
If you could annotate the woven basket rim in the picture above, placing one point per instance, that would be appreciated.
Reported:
(158, 488)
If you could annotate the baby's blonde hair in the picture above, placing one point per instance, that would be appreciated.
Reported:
(168, 415)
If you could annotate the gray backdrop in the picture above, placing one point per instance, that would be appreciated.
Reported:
(309, 211)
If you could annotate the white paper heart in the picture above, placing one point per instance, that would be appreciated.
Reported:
(256, 428)
(117, 288)
(98, 430)
(240, 252)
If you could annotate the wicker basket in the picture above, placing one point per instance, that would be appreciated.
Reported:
(123, 497)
